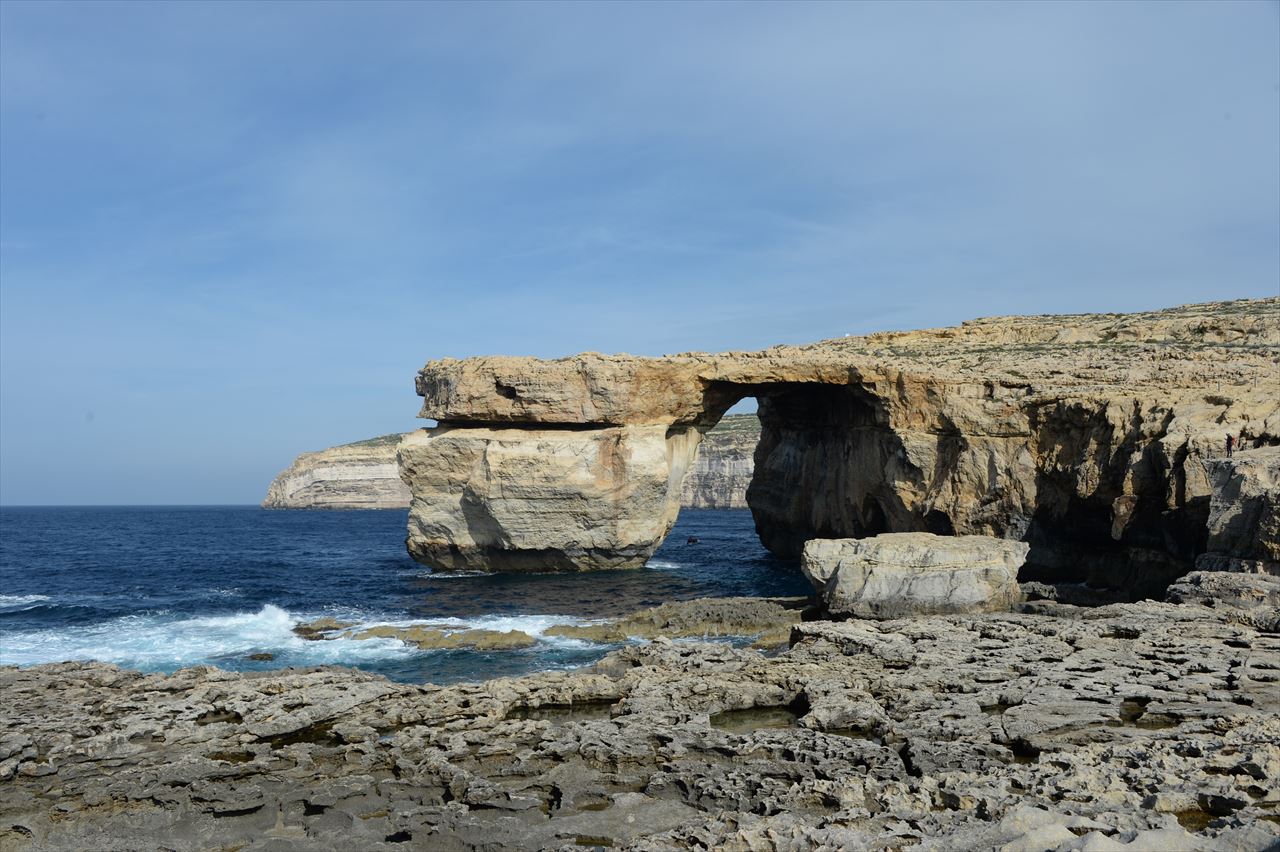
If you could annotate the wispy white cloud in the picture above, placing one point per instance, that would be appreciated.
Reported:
(217, 215)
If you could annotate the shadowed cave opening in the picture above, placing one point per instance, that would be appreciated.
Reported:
(829, 465)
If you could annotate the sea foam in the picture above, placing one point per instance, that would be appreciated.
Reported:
(17, 603)
(162, 642)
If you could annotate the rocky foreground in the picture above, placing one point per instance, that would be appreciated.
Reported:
(1140, 726)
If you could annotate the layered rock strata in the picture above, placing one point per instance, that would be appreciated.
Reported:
(1083, 436)
(722, 468)
(900, 574)
(365, 475)
(1137, 726)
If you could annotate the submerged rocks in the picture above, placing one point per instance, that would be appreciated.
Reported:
(898, 574)
(1139, 726)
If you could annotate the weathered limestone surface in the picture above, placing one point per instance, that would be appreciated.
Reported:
(1081, 435)
(1136, 726)
(363, 475)
(900, 574)
(543, 499)
(1244, 512)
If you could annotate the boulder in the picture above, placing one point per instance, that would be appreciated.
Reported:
(904, 574)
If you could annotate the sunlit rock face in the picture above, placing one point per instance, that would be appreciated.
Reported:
(1082, 435)
(363, 475)
(542, 499)
(894, 575)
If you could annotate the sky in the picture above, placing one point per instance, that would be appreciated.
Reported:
(233, 232)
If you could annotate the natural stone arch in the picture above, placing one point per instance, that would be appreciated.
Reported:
(1057, 431)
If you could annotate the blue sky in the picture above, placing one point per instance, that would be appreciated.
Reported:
(232, 232)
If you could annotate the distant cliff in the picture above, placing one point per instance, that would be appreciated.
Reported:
(722, 469)
(364, 475)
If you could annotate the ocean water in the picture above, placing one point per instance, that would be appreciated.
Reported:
(160, 588)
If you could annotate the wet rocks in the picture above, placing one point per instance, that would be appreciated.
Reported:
(898, 574)
(1136, 726)
(428, 638)
(769, 619)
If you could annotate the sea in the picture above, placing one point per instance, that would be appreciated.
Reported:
(162, 588)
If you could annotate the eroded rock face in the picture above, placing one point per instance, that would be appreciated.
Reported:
(1244, 513)
(363, 475)
(543, 499)
(1081, 435)
(721, 472)
(1140, 726)
(902, 574)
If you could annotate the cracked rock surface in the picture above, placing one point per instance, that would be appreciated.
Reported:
(1139, 726)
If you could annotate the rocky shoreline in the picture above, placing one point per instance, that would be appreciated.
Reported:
(1141, 726)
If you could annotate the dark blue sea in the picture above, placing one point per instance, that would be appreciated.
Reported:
(160, 588)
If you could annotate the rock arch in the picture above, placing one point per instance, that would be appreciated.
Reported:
(1060, 431)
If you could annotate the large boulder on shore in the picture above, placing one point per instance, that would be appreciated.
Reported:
(901, 574)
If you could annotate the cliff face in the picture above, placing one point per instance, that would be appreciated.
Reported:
(366, 476)
(722, 469)
(363, 475)
(1081, 435)
(1244, 513)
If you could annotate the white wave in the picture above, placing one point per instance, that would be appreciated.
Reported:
(14, 603)
(158, 642)
(447, 575)
(535, 625)
(663, 565)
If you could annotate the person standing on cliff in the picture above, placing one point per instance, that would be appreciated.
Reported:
(1231, 443)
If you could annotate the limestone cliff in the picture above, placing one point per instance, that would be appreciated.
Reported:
(722, 469)
(1244, 513)
(1082, 435)
(364, 475)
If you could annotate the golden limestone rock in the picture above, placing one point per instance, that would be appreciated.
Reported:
(1084, 436)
